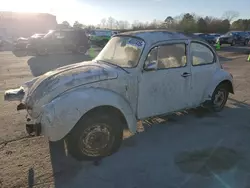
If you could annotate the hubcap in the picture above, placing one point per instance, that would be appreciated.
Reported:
(219, 98)
(95, 139)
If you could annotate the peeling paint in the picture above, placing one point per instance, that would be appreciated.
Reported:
(64, 79)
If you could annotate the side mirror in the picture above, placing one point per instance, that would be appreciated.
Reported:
(151, 66)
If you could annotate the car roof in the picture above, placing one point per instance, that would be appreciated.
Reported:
(154, 36)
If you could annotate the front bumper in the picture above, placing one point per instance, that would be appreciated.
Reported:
(51, 120)
(14, 94)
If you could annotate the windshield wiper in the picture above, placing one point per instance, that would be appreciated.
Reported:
(107, 62)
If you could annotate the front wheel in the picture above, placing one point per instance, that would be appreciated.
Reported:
(95, 136)
(219, 97)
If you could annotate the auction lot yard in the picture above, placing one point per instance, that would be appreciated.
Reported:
(192, 149)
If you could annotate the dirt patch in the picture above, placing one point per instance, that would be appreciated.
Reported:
(209, 160)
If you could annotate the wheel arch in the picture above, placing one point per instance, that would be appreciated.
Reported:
(62, 114)
(220, 77)
(108, 109)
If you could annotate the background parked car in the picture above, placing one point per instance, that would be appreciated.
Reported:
(22, 42)
(100, 37)
(234, 37)
(38, 35)
(247, 33)
(74, 40)
(214, 37)
(210, 38)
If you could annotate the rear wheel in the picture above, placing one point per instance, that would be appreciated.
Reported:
(233, 43)
(219, 97)
(246, 42)
(95, 136)
(81, 49)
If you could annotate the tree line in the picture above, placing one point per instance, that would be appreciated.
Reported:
(188, 22)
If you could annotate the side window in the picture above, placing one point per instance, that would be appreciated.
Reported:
(201, 54)
(152, 57)
(59, 35)
(171, 56)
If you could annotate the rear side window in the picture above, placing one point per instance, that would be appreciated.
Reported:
(201, 54)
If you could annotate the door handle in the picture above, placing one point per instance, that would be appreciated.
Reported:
(186, 74)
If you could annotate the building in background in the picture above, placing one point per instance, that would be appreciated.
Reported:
(15, 24)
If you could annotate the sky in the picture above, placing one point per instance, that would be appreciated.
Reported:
(92, 11)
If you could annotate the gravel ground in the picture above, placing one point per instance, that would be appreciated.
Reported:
(192, 149)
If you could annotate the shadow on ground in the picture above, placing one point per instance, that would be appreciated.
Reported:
(223, 59)
(187, 149)
(42, 64)
(20, 53)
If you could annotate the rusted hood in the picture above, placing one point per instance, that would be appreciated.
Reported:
(62, 79)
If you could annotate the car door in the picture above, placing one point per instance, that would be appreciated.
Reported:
(230, 38)
(56, 43)
(203, 67)
(69, 42)
(166, 88)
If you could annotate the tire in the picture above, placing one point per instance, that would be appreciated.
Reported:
(233, 43)
(246, 42)
(89, 127)
(219, 98)
(81, 49)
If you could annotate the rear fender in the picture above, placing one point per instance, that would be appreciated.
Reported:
(62, 114)
(219, 77)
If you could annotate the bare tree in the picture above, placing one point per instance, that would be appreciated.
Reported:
(230, 15)
(103, 23)
(123, 24)
(126, 24)
(111, 22)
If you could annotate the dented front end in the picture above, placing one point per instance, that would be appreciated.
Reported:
(20, 94)
(34, 96)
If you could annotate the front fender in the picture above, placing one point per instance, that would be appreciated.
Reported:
(62, 114)
(218, 77)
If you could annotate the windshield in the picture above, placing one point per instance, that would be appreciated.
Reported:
(122, 51)
(49, 34)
